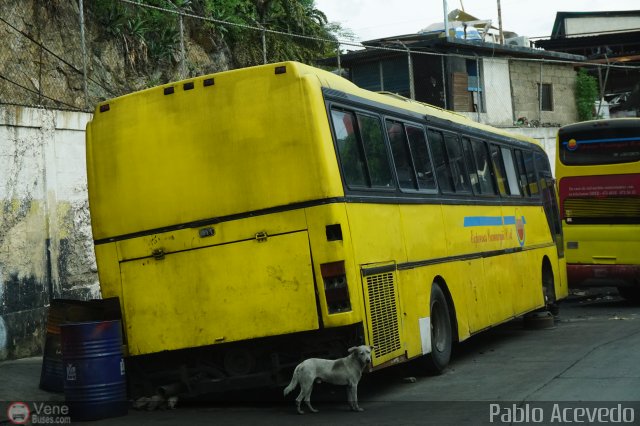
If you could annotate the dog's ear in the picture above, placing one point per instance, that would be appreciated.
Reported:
(373, 348)
(352, 348)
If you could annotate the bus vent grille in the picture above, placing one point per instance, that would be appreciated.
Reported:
(602, 207)
(384, 313)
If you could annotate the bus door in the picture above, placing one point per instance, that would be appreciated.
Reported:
(550, 201)
(551, 210)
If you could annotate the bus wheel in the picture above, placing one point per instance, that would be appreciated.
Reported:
(548, 285)
(441, 333)
(630, 293)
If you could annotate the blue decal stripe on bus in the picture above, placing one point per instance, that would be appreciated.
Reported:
(482, 221)
(635, 138)
(490, 220)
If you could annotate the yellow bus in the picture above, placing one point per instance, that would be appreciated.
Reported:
(255, 217)
(598, 172)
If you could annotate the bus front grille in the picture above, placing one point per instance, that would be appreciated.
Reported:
(383, 313)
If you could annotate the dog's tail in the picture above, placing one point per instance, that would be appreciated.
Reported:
(293, 384)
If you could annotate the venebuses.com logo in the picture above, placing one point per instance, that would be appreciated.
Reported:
(19, 413)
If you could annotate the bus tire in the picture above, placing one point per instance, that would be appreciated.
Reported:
(441, 333)
(548, 284)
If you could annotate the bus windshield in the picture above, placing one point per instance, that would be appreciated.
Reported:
(607, 145)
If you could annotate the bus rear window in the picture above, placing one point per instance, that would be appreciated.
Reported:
(589, 148)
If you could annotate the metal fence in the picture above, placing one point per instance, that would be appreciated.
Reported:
(59, 65)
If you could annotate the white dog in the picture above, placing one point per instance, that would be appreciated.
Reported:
(343, 371)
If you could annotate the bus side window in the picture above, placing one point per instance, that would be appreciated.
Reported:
(498, 169)
(471, 166)
(351, 155)
(401, 155)
(376, 154)
(512, 178)
(531, 173)
(485, 179)
(522, 174)
(456, 162)
(421, 159)
(436, 141)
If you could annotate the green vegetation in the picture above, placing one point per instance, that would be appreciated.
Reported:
(586, 95)
(152, 37)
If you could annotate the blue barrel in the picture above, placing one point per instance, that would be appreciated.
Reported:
(51, 375)
(95, 385)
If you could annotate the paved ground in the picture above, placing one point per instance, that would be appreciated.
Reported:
(587, 361)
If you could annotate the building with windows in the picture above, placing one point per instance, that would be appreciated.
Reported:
(511, 85)
(607, 37)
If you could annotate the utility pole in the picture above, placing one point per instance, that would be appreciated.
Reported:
(501, 36)
(446, 18)
(84, 56)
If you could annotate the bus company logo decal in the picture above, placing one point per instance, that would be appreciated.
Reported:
(520, 230)
(490, 222)
(18, 413)
(572, 145)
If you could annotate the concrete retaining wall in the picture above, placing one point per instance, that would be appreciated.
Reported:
(46, 246)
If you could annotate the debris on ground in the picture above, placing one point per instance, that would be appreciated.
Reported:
(155, 402)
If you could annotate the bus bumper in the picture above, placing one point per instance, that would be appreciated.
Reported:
(601, 275)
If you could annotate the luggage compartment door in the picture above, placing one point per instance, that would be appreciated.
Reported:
(218, 294)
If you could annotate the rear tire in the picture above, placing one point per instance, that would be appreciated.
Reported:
(548, 285)
(441, 333)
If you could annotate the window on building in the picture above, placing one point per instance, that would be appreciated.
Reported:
(467, 85)
(545, 94)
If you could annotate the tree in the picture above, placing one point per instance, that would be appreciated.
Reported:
(586, 95)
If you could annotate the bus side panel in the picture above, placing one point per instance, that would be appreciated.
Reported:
(414, 293)
(477, 232)
(378, 242)
(424, 234)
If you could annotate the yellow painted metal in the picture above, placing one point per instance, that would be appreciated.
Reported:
(603, 244)
(223, 233)
(157, 160)
(230, 156)
(324, 251)
(210, 295)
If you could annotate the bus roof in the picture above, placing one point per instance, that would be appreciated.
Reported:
(336, 82)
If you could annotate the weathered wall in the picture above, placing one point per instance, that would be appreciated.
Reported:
(46, 248)
(525, 77)
(497, 94)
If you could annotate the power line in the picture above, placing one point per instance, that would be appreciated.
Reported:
(43, 47)
(57, 101)
(360, 45)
